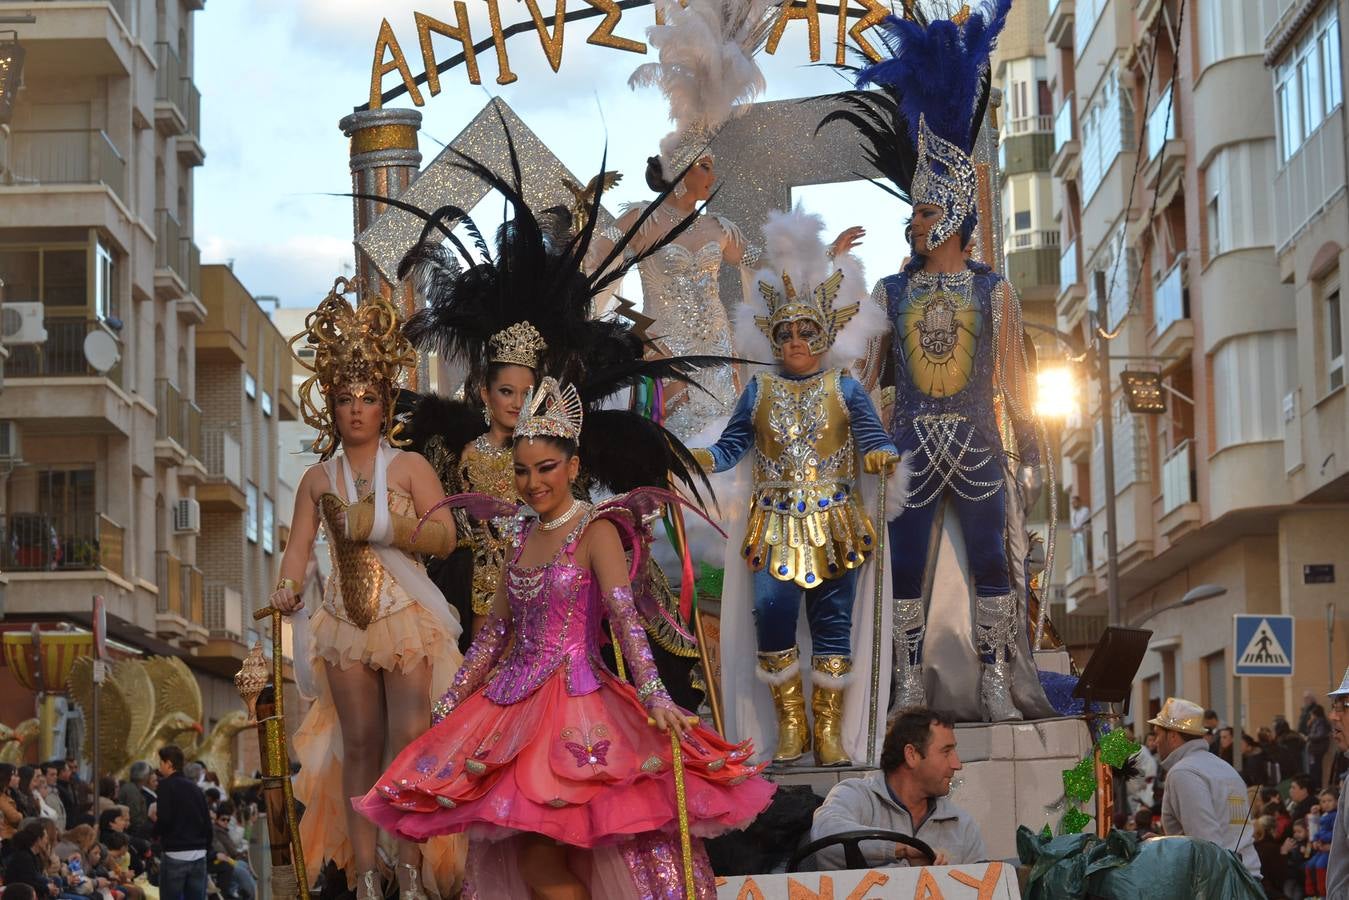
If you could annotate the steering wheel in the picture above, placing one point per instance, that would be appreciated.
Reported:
(852, 851)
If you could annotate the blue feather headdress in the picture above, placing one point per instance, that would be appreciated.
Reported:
(922, 121)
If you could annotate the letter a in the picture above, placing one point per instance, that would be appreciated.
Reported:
(386, 41)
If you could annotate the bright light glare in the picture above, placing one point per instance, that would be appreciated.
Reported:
(1055, 393)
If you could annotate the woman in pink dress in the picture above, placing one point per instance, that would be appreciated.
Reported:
(559, 772)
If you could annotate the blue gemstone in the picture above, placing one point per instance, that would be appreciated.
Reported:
(852, 557)
(833, 567)
(866, 539)
(757, 560)
(784, 505)
(782, 570)
(767, 501)
(747, 551)
(801, 506)
(810, 577)
(824, 503)
(838, 496)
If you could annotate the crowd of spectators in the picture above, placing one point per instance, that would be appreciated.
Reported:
(1294, 781)
(167, 831)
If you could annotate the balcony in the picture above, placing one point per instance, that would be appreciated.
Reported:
(1059, 29)
(190, 150)
(227, 645)
(170, 616)
(1076, 444)
(1173, 330)
(1067, 147)
(1019, 154)
(194, 606)
(1081, 580)
(42, 157)
(1032, 263)
(53, 389)
(48, 542)
(170, 96)
(177, 426)
(1071, 305)
(76, 39)
(1180, 509)
(170, 267)
(223, 490)
(1165, 149)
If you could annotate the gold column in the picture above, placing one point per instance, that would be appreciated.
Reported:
(384, 161)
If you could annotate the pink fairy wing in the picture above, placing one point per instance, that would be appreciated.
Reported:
(483, 507)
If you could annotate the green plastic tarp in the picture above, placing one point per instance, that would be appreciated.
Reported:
(1085, 867)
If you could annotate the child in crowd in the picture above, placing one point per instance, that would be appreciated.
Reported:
(1325, 831)
(1296, 850)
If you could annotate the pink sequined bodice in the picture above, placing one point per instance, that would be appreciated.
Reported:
(555, 621)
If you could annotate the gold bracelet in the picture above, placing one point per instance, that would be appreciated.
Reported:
(288, 584)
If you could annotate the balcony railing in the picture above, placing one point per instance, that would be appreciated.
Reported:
(61, 355)
(1161, 124)
(168, 242)
(223, 610)
(194, 601)
(64, 156)
(1068, 266)
(191, 271)
(1168, 300)
(1079, 562)
(192, 429)
(1034, 240)
(1029, 125)
(221, 456)
(1064, 124)
(192, 96)
(50, 542)
(169, 77)
(169, 412)
(170, 580)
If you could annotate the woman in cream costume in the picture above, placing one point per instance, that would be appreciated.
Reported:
(383, 643)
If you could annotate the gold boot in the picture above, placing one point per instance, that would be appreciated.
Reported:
(831, 674)
(782, 671)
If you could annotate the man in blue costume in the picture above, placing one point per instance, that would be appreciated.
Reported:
(961, 409)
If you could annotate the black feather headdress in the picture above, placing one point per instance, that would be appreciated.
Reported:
(537, 276)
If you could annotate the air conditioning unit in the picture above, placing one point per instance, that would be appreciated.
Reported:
(21, 323)
(10, 448)
(187, 517)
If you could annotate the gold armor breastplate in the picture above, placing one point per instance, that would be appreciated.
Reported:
(487, 469)
(361, 591)
(804, 524)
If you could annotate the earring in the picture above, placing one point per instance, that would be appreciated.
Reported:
(487, 417)
(679, 190)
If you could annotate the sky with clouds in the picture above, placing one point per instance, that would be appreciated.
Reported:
(276, 78)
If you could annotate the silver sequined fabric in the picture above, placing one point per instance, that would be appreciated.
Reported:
(680, 291)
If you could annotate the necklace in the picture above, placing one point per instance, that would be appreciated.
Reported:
(562, 519)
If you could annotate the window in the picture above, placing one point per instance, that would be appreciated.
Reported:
(251, 512)
(268, 524)
(1308, 83)
(1107, 130)
(1022, 220)
(266, 403)
(1215, 226)
(1334, 335)
(105, 282)
(67, 494)
(250, 385)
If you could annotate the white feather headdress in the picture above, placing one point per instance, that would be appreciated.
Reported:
(706, 68)
(793, 246)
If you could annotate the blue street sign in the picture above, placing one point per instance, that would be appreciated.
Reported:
(1262, 645)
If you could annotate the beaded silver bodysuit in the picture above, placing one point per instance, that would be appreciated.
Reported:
(680, 291)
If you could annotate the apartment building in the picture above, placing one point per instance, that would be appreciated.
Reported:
(102, 438)
(1171, 174)
(246, 397)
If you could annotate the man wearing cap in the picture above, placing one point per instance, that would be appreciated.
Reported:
(1205, 797)
(1337, 871)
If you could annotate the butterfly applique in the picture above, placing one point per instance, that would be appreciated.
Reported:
(588, 754)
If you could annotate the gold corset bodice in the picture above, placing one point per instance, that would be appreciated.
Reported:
(804, 523)
(487, 469)
(360, 591)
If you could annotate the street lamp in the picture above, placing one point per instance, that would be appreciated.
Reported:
(1191, 597)
(1055, 393)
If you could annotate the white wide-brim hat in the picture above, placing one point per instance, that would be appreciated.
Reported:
(1181, 715)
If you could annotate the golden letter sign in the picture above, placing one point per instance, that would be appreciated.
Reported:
(389, 57)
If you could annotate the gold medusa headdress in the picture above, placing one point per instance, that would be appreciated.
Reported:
(353, 349)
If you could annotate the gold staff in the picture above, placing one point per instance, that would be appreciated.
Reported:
(289, 878)
(877, 599)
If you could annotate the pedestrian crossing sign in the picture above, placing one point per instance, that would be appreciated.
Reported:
(1263, 645)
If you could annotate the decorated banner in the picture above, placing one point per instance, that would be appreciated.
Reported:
(978, 881)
